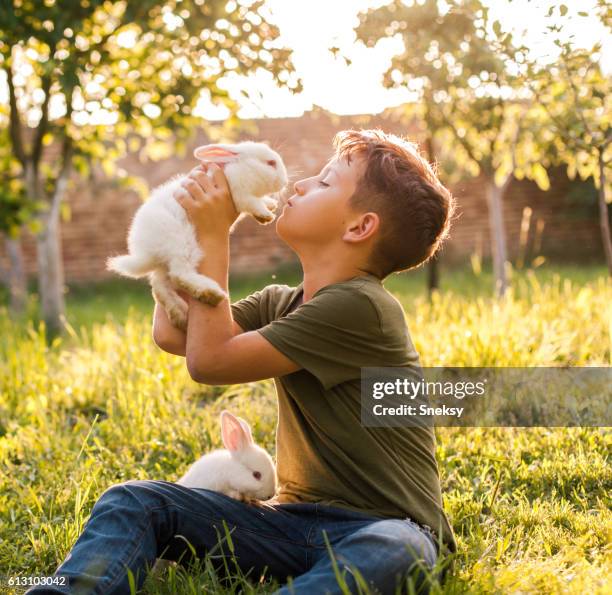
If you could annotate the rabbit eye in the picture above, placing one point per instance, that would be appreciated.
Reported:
(271, 163)
(256, 474)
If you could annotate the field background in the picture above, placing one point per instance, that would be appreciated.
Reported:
(530, 507)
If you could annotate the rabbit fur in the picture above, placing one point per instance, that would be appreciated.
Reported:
(231, 471)
(162, 242)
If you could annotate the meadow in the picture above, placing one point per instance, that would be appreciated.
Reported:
(530, 506)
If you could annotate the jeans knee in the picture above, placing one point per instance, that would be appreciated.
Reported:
(407, 556)
(402, 549)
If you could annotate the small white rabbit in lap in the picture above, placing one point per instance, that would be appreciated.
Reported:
(162, 242)
(244, 470)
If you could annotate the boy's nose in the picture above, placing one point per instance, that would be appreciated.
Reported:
(298, 187)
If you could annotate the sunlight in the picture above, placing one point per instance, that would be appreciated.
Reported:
(309, 29)
(127, 39)
(346, 81)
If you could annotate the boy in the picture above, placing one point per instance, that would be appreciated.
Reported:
(373, 493)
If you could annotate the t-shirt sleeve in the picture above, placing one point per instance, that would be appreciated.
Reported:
(331, 336)
(247, 311)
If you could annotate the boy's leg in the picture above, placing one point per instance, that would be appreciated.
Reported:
(134, 522)
(383, 551)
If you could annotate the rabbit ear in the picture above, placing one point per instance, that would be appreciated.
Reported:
(246, 428)
(232, 432)
(214, 153)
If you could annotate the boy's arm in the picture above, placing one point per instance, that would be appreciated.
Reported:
(165, 336)
(214, 355)
(169, 338)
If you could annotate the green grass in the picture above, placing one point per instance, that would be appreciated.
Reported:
(530, 507)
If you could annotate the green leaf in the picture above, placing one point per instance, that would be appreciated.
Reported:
(563, 10)
(65, 212)
(108, 167)
(540, 176)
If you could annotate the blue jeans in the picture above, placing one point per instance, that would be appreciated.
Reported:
(134, 522)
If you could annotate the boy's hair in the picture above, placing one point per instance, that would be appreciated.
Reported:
(414, 208)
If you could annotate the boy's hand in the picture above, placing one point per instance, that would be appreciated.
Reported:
(207, 200)
(183, 294)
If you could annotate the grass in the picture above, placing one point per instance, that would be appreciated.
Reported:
(530, 507)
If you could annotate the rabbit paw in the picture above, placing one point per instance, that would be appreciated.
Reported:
(261, 218)
(261, 209)
(234, 494)
(176, 310)
(209, 296)
(270, 202)
(178, 318)
(251, 501)
(202, 289)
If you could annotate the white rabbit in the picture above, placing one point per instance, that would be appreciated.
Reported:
(162, 242)
(244, 470)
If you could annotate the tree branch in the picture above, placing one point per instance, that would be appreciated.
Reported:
(575, 92)
(561, 128)
(462, 141)
(44, 121)
(62, 178)
(15, 123)
(66, 154)
(517, 134)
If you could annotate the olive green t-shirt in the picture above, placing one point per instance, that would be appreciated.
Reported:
(323, 452)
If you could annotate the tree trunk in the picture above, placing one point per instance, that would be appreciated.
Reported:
(604, 222)
(16, 279)
(48, 254)
(51, 274)
(433, 273)
(495, 195)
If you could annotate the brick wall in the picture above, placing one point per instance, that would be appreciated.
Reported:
(570, 227)
(100, 214)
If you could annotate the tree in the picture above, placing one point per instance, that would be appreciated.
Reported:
(460, 66)
(127, 76)
(15, 211)
(436, 43)
(574, 97)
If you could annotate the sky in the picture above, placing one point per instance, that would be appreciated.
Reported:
(309, 28)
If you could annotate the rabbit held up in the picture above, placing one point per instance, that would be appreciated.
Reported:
(161, 240)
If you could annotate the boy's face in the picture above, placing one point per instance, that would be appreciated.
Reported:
(318, 212)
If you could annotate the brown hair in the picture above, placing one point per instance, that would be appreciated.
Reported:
(414, 208)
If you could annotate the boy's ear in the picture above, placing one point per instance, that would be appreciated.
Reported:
(362, 228)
